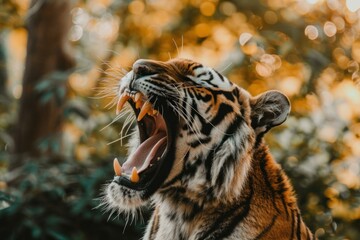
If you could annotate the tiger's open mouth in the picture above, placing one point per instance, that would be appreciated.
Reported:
(149, 165)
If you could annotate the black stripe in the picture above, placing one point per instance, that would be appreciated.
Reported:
(186, 79)
(230, 131)
(236, 92)
(292, 226)
(188, 170)
(281, 190)
(184, 104)
(191, 167)
(231, 218)
(234, 126)
(211, 77)
(263, 163)
(162, 85)
(197, 66)
(225, 168)
(210, 195)
(267, 228)
(155, 225)
(176, 194)
(177, 177)
(189, 91)
(199, 141)
(208, 81)
(182, 237)
(220, 76)
(208, 109)
(229, 96)
(171, 216)
(174, 191)
(195, 210)
(194, 112)
(208, 164)
(298, 232)
(215, 96)
(192, 64)
(205, 98)
(224, 109)
(201, 74)
(220, 177)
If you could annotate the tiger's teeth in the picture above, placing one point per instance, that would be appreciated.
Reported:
(122, 100)
(134, 175)
(138, 104)
(137, 97)
(152, 112)
(117, 167)
(144, 110)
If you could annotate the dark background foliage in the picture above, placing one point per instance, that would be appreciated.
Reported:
(58, 134)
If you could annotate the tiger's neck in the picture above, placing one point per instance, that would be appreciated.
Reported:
(268, 179)
(266, 195)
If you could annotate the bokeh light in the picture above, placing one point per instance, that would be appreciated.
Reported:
(136, 7)
(329, 29)
(76, 33)
(353, 5)
(311, 32)
(207, 8)
(313, 1)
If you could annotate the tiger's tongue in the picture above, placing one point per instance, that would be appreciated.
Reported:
(151, 148)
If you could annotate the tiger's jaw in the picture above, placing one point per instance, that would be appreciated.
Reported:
(148, 166)
(143, 167)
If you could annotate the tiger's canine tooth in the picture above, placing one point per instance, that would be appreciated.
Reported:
(138, 104)
(117, 167)
(152, 112)
(144, 110)
(134, 175)
(137, 96)
(122, 100)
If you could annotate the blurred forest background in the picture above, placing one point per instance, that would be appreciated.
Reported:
(60, 60)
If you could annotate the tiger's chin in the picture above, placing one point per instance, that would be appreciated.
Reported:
(150, 162)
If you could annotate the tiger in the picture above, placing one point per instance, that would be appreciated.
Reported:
(199, 157)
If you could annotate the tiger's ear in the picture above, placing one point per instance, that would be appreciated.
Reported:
(268, 110)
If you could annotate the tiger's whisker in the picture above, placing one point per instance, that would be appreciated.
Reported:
(121, 138)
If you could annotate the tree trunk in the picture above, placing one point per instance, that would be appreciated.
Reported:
(3, 71)
(47, 53)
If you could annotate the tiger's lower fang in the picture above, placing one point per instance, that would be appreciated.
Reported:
(117, 167)
(134, 176)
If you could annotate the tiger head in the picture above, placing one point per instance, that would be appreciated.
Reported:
(196, 131)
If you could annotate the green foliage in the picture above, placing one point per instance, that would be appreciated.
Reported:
(53, 86)
(59, 200)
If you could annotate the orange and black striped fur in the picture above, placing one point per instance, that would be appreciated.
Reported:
(216, 179)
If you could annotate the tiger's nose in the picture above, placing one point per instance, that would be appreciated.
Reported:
(142, 68)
